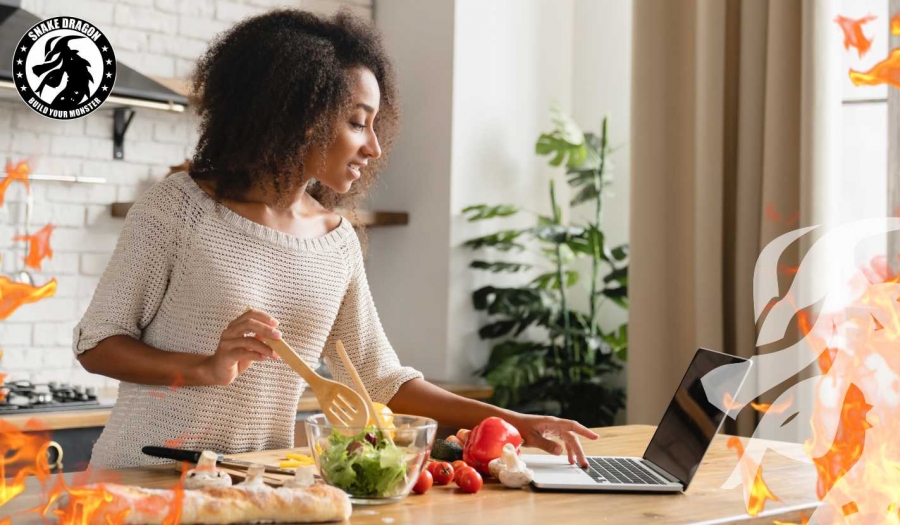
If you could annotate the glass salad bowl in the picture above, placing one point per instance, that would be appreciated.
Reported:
(372, 468)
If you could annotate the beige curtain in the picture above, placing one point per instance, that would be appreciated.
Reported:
(722, 138)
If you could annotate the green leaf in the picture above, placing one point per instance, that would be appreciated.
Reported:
(482, 211)
(619, 275)
(557, 233)
(587, 193)
(550, 280)
(497, 329)
(620, 253)
(617, 295)
(499, 266)
(503, 240)
(566, 140)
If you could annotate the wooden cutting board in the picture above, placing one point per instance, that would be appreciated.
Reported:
(264, 457)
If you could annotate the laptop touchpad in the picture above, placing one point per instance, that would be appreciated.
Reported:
(554, 469)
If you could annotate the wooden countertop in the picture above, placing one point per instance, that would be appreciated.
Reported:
(705, 502)
(98, 418)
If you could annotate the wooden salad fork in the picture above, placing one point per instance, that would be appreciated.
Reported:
(340, 403)
(348, 365)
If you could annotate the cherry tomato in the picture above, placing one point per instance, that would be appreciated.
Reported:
(442, 473)
(469, 480)
(431, 466)
(458, 466)
(423, 483)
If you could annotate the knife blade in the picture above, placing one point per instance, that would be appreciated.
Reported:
(193, 456)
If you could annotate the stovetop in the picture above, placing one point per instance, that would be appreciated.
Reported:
(22, 397)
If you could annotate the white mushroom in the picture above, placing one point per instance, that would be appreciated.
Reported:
(254, 476)
(205, 474)
(510, 469)
(304, 476)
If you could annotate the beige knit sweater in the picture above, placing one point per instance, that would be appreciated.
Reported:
(184, 267)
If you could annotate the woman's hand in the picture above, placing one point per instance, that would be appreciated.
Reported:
(238, 350)
(538, 431)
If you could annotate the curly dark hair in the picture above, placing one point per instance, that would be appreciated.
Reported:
(275, 84)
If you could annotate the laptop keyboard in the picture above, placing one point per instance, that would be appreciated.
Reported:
(624, 471)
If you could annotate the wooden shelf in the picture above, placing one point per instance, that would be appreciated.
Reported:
(366, 217)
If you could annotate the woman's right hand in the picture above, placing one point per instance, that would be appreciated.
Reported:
(237, 351)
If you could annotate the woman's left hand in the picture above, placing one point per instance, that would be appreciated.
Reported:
(538, 431)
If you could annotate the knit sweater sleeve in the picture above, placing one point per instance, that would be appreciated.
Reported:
(357, 326)
(134, 283)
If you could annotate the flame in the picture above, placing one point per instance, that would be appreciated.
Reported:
(25, 452)
(730, 404)
(847, 446)
(18, 172)
(176, 384)
(771, 213)
(895, 24)
(13, 294)
(2, 378)
(853, 33)
(857, 401)
(759, 491)
(804, 520)
(885, 72)
(775, 409)
(38, 246)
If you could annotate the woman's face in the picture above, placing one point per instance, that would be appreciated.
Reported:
(356, 142)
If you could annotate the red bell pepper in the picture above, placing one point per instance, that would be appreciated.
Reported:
(486, 441)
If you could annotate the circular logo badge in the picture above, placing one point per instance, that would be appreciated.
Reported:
(64, 68)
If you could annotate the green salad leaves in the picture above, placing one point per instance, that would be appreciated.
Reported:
(365, 465)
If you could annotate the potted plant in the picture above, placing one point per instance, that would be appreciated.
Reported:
(565, 369)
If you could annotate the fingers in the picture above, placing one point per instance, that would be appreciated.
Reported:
(545, 444)
(250, 345)
(573, 447)
(239, 329)
(581, 430)
(259, 315)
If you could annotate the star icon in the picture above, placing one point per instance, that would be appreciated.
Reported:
(108, 61)
(108, 75)
(19, 62)
(23, 88)
(105, 48)
(23, 48)
(103, 88)
(19, 75)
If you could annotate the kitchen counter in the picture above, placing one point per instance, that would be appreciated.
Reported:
(705, 501)
(90, 418)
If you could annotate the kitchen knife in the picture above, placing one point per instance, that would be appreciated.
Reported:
(193, 456)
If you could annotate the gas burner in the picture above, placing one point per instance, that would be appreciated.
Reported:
(19, 396)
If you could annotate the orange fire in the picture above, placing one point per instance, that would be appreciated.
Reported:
(759, 491)
(895, 24)
(18, 172)
(804, 519)
(38, 246)
(25, 452)
(2, 378)
(77, 504)
(857, 403)
(13, 294)
(853, 33)
(885, 72)
(775, 409)
(847, 446)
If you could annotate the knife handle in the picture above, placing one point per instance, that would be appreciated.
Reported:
(172, 453)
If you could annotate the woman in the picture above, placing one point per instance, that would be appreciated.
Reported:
(292, 108)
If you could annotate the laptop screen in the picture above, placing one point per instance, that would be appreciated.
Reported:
(691, 421)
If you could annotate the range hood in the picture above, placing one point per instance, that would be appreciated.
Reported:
(131, 89)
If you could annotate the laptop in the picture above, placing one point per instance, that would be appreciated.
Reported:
(676, 450)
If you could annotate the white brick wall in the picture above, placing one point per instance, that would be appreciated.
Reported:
(155, 37)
